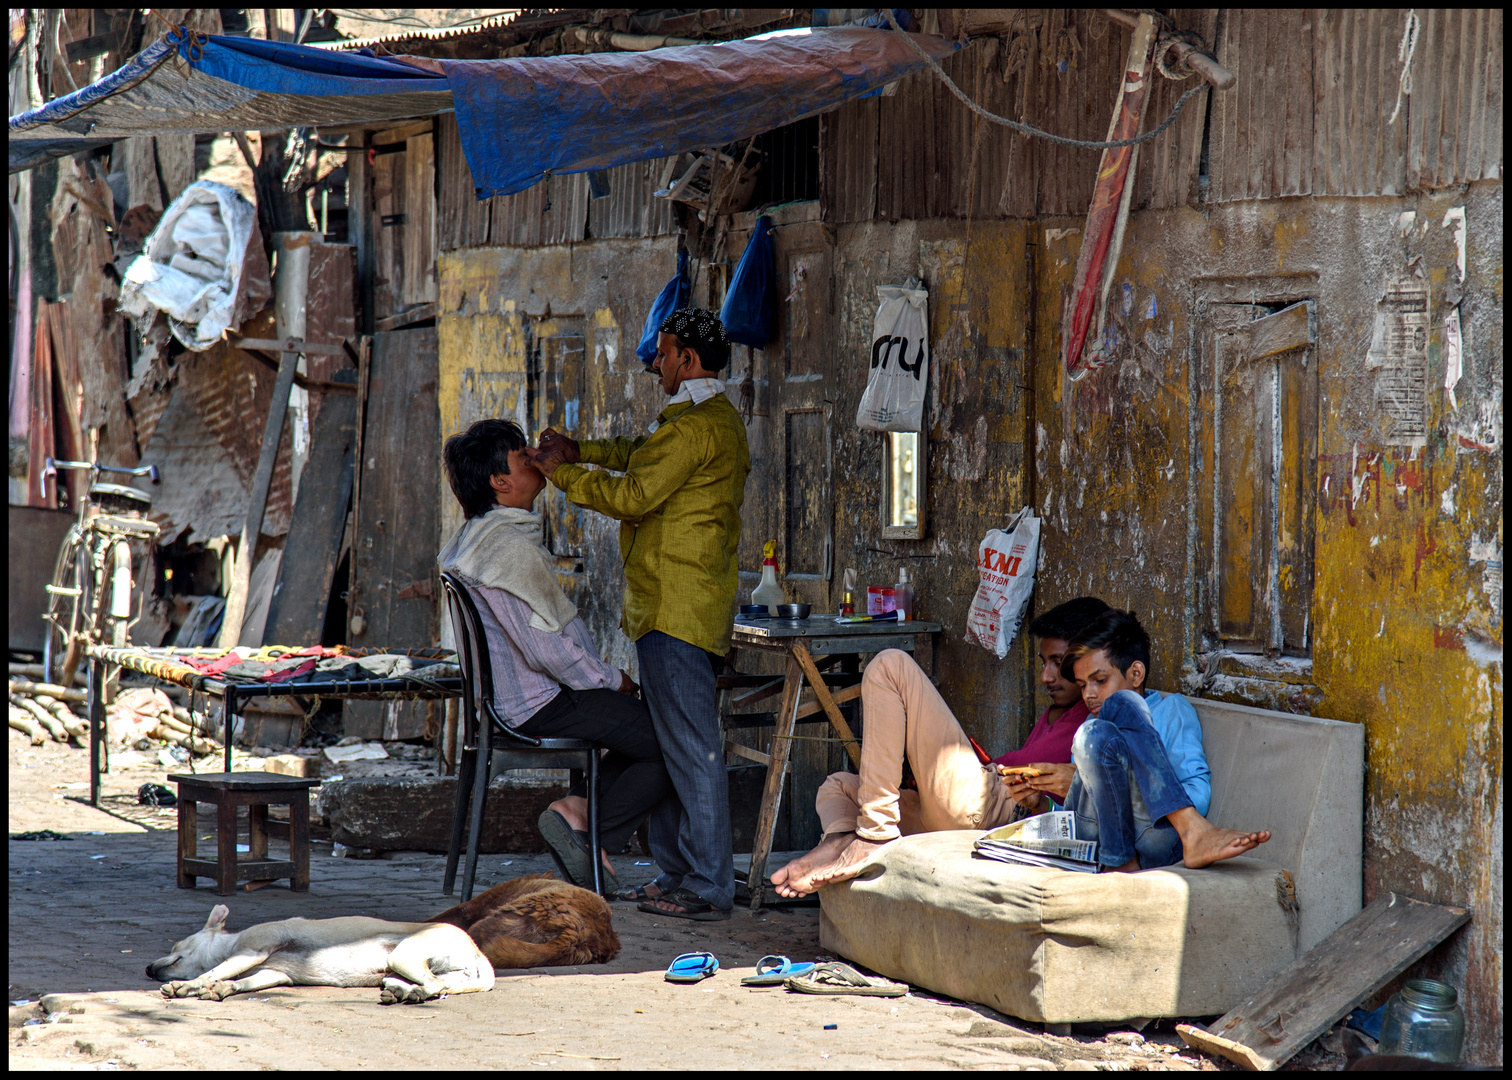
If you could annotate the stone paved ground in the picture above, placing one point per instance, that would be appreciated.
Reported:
(87, 914)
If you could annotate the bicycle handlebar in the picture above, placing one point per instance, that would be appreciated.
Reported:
(50, 467)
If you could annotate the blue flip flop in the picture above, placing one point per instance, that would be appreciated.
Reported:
(774, 970)
(692, 967)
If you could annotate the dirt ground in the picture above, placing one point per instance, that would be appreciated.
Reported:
(88, 913)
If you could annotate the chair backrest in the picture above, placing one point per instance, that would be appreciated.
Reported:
(472, 652)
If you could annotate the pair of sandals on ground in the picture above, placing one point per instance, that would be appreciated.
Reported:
(570, 851)
(828, 977)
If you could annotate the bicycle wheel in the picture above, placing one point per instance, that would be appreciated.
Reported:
(69, 596)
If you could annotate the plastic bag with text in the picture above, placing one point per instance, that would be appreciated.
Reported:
(899, 376)
(1006, 563)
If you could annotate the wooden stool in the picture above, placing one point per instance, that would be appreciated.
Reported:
(256, 791)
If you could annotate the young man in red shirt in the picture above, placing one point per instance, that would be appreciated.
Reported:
(907, 718)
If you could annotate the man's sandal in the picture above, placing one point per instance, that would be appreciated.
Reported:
(774, 971)
(838, 978)
(692, 967)
(693, 907)
(637, 895)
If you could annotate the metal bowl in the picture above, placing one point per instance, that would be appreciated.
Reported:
(754, 611)
(794, 611)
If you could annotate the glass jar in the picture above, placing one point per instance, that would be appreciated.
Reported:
(1423, 1020)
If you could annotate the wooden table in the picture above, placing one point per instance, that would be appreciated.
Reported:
(798, 640)
(256, 791)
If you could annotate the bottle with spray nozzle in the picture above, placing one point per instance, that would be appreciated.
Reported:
(769, 592)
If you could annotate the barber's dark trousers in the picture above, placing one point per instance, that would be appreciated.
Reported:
(1125, 786)
(690, 829)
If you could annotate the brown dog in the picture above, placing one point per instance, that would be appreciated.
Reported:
(537, 921)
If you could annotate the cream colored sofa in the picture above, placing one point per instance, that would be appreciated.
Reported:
(1056, 946)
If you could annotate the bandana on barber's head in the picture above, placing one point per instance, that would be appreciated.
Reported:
(697, 327)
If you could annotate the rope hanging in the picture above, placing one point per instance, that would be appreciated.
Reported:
(1026, 129)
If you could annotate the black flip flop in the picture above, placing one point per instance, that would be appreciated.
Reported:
(693, 906)
(569, 850)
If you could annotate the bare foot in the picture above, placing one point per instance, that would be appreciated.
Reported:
(849, 862)
(1207, 844)
(796, 878)
(1130, 867)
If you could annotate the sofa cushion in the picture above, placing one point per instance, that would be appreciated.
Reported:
(1058, 946)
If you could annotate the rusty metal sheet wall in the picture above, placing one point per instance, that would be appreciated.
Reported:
(920, 153)
(848, 162)
(1317, 87)
(461, 220)
(1261, 141)
(630, 209)
(1454, 129)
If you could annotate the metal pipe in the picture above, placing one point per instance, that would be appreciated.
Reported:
(630, 42)
(1183, 52)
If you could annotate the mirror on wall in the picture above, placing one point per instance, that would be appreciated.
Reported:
(903, 471)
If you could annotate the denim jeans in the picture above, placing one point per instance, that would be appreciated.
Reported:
(1125, 786)
(690, 828)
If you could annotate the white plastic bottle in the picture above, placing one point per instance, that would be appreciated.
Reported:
(905, 595)
(769, 592)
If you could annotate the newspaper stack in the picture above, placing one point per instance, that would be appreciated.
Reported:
(1043, 840)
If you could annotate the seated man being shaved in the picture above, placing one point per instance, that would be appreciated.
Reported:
(548, 677)
(907, 718)
(1141, 785)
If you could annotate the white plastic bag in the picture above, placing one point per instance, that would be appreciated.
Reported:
(1006, 562)
(191, 265)
(899, 379)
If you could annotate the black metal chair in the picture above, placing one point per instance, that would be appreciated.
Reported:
(480, 758)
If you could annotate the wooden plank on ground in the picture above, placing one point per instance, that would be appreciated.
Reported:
(300, 600)
(394, 586)
(1314, 993)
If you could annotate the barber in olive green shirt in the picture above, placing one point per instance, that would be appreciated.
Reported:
(677, 494)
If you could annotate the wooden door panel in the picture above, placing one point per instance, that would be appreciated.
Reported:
(394, 584)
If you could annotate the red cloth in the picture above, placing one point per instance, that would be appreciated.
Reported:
(1048, 742)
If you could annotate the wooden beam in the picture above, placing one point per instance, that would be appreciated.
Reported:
(1319, 989)
(852, 745)
(771, 797)
(746, 752)
(296, 345)
(318, 386)
(262, 480)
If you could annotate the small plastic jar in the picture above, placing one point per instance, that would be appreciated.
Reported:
(1424, 1020)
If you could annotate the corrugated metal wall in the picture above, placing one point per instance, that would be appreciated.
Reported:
(1316, 87)
(556, 211)
(1306, 117)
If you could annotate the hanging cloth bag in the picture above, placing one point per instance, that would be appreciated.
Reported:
(899, 378)
(674, 295)
(1006, 562)
(751, 302)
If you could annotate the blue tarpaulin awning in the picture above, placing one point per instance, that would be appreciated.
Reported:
(208, 86)
(520, 120)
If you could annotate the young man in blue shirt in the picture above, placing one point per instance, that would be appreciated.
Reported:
(1141, 786)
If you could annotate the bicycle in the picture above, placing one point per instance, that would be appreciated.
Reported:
(95, 553)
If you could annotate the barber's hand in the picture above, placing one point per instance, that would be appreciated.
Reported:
(1056, 781)
(627, 684)
(554, 442)
(546, 462)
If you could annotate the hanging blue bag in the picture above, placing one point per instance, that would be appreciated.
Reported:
(751, 303)
(672, 297)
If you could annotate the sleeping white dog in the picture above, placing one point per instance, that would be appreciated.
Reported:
(412, 962)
